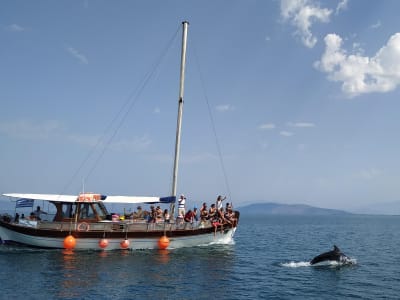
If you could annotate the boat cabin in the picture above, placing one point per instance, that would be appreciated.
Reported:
(88, 209)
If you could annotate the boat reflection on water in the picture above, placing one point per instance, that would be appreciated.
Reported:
(163, 256)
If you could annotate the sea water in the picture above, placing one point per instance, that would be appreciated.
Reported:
(268, 260)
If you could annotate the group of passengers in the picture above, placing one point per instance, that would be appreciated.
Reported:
(216, 214)
(34, 215)
(155, 215)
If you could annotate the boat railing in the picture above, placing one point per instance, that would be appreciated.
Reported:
(116, 226)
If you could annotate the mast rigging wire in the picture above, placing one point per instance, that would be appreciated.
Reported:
(125, 109)
(212, 124)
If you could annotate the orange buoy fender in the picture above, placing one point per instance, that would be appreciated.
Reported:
(124, 244)
(69, 242)
(163, 242)
(103, 243)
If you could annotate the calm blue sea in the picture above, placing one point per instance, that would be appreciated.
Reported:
(268, 261)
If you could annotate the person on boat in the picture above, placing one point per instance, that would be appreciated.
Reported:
(32, 217)
(219, 202)
(181, 205)
(212, 212)
(189, 216)
(179, 219)
(166, 216)
(230, 216)
(159, 214)
(204, 213)
(153, 215)
(138, 214)
(195, 216)
(221, 217)
(38, 212)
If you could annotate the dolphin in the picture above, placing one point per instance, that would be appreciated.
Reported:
(333, 255)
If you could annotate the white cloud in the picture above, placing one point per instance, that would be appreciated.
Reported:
(75, 53)
(368, 174)
(224, 107)
(157, 110)
(301, 147)
(361, 74)
(267, 126)
(15, 28)
(302, 14)
(84, 140)
(23, 129)
(136, 144)
(376, 25)
(286, 133)
(341, 6)
(301, 125)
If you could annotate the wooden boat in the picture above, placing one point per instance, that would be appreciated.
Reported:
(83, 221)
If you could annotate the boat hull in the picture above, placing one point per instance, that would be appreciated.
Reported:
(90, 240)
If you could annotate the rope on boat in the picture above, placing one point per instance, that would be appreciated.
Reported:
(212, 124)
(122, 114)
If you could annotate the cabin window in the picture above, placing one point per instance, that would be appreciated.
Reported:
(86, 211)
(68, 210)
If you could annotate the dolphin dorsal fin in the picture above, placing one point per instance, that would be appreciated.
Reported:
(336, 248)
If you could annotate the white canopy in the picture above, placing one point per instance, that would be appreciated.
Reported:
(91, 197)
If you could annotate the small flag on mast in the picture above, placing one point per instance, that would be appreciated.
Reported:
(24, 203)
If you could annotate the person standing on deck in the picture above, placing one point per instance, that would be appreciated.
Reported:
(219, 202)
(38, 212)
(181, 206)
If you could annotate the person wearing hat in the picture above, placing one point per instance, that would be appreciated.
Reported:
(181, 205)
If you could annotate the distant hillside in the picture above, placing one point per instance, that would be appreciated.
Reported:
(287, 209)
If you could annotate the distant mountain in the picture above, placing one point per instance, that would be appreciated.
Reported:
(288, 209)
(381, 208)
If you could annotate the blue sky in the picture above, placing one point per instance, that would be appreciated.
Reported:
(303, 94)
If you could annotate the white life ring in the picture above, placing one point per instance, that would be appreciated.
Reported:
(83, 226)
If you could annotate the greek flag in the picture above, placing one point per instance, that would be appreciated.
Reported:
(24, 203)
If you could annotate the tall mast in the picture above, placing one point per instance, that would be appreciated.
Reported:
(180, 107)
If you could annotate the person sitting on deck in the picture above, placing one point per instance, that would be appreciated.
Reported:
(190, 216)
(218, 220)
(32, 217)
(139, 214)
(230, 217)
(159, 214)
(212, 212)
(221, 217)
(228, 206)
(204, 213)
